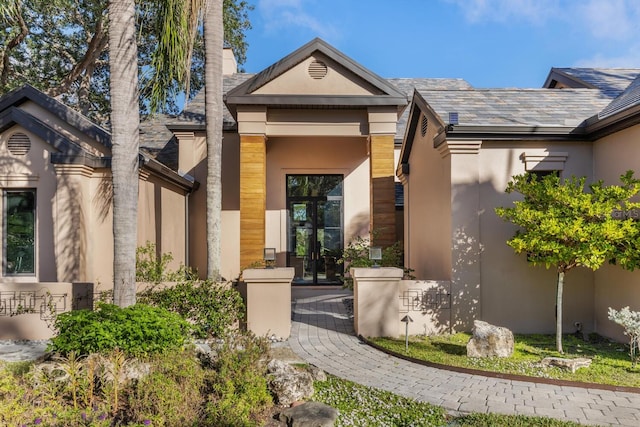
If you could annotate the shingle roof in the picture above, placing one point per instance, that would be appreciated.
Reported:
(517, 107)
(407, 87)
(612, 81)
(629, 98)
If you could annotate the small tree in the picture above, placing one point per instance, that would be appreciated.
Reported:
(564, 226)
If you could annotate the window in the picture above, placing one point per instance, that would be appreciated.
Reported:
(19, 225)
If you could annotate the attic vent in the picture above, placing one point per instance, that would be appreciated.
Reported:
(317, 69)
(19, 144)
(424, 126)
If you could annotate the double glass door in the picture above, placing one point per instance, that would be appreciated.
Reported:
(316, 236)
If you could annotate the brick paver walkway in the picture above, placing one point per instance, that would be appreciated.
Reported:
(322, 334)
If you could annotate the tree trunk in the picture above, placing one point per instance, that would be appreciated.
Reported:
(125, 123)
(214, 39)
(559, 311)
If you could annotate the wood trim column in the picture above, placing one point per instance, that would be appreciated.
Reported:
(253, 198)
(382, 190)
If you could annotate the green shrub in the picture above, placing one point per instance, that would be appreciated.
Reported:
(356, 254)
(137, 330)
(171, 394)
(153, 267)
(239, 384)
(212, 308)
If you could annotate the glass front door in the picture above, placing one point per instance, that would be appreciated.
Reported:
(314, 203)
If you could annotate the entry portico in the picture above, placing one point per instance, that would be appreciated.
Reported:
(316, 137)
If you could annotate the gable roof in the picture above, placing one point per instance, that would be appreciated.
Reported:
(611, 81)
(68, 151)
(244, 94)
(25, 93)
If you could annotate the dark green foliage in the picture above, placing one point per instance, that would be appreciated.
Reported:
(356, 254)
(239, 384)
(137, 330)
(212, 308)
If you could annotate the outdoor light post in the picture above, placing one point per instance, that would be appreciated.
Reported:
(406, 319)
(375, 255)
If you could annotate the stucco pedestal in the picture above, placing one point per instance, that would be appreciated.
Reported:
(375, 301)
(268, 300)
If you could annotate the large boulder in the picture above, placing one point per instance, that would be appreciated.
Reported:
(490, 341)
(310, 414)
(289, 384)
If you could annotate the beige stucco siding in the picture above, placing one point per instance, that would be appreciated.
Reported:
(427, 211)
(32, 170)
(614, 287)
(513, 293)
(316, 155)
(338, 81)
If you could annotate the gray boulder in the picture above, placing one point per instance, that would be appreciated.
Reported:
(289, 384)
(489, 341)
(310, 414)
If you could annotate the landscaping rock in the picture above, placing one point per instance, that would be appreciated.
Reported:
(289, 384)
(489, 341)
(310, 414)
(572, 364)
(317, 373)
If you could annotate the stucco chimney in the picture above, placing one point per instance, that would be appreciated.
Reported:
(229, 63)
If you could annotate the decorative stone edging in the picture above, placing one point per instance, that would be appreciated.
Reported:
(513, 377)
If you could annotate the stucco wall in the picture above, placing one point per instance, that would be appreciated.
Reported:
(515, 294)
(614, 287)
(427, 212)
(32, 170)
(317, 155)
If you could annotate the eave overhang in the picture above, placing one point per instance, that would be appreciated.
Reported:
(600, 127)
(68, 115)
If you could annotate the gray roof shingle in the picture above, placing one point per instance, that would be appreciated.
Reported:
(517, 107)
(612, 81)
(629, 98)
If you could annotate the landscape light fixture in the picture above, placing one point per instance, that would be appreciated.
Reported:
(269, 257)
(375, 255)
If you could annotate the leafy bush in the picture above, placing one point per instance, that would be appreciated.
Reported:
(153, 267)
(630, 321)
(356, 254)
(210, 307)
(239, 384)
(171, 394)
(137, 330)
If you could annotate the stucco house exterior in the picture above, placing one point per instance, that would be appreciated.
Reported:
(460, 150)
(318, 150)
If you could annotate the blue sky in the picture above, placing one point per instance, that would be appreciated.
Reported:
(489, 43)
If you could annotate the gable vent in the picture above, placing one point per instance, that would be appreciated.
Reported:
(317, 69)
(19, 144)
(424, 126)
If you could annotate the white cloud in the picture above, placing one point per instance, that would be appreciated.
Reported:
(278, 14)
(611, 19)
(630, 58)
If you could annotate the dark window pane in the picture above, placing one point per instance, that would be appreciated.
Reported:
(19, 232)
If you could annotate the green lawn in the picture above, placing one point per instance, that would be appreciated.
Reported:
(366, 406)
(610, 361)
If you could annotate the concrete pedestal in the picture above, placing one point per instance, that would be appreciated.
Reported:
(268, 299)
(375, 301)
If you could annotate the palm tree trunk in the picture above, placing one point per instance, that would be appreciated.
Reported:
(125, 122)
(559, 311)
(214, 39)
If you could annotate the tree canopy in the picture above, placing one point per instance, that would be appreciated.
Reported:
(60, 47)
(564, 226)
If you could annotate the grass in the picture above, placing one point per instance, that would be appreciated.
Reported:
(610, 361)
(365, 406)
